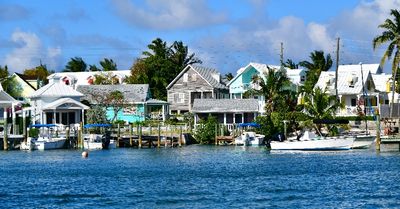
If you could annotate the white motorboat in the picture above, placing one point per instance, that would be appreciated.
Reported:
(95, 141)
(45, 140)
(309, 141)
(250, 138)
(363, 141)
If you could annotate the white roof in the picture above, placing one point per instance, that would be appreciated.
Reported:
(349, 82)
(81, 78)
(65, 103)
(380, 81)
(56, 89)
(373, 68)
(6, 100)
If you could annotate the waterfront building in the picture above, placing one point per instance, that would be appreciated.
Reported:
(227, 111)
(243, 81)
(138, 106)
(76, 79)
(356, 82)
(24, 86)
(56, 103)
(195, 82)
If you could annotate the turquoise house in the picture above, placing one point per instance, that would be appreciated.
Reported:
(242, 82)
(138, 107)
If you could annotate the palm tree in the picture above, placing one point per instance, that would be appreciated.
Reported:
(158, 48)
(318, 63)
(290, 64)
(391, 35)
(229, 76)
(272, 88)
(75, 65)
(181, 57)
(320, 105)
(108, 65)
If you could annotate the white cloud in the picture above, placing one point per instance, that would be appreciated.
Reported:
(168, 14)
(30, 52)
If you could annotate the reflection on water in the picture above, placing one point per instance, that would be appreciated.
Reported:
(199, 176)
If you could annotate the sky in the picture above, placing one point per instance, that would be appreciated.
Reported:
(224, 34)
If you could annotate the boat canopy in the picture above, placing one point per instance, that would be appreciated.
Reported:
(42, 125)
(330, 121)
(97, 125)
(255, 125)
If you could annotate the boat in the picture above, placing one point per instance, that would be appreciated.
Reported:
(99, 141)
(363, 141)
(250, 138)
(310, 141)
(46, 139)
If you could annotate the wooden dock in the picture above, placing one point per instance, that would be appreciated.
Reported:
(390, 143)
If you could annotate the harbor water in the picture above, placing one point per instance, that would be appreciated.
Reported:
(199, 177)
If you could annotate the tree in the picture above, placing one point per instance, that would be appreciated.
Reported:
(274, 87)
(205, 132)
(40, 73)
(108, 65)
(320, 105)
(229, 76)
(93, 68)
(390, 35)
(290, 64)
(75, 65)
(8, 84)
(160, 65)
(115, 100)
(105, 79)
(318, 63)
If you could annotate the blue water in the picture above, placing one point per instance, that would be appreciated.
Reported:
(199, 177)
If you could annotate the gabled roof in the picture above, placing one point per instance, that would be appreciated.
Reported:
(5, 99)
(327, 81)
(373, 68)
(81, 77)
(68, 102)
(261, 68)
(225, 105)
(132, 92)
(380, 81)
(205, 73)
(56, 89)
(24, 78)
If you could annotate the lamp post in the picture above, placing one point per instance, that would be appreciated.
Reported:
(284, 127)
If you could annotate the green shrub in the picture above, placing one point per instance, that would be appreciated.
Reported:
(205, 132)
(34, 132)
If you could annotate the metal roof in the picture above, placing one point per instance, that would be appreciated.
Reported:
(56, 90)
(225, 105)
(132, 92)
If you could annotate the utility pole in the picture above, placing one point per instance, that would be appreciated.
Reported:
(337, 68)
(281, 55)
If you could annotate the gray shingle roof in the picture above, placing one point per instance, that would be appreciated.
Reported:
(225, 105)
(132, 92)
(207, 74)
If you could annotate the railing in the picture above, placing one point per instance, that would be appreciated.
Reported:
(352, 111)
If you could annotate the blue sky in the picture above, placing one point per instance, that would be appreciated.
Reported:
(224, 34)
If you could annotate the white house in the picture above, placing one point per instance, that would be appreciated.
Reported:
(57, 103)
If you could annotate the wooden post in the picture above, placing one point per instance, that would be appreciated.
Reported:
(5, 137)
(67, 136)
(24, 125)
(180, 137)
(150, 129)
(378, 133)
(166, 135)
(149, 139)
(172, 135)
(140, 136)
(216, 134)
(118, 134)
(81, 135)
(130, 135)
(159, 136)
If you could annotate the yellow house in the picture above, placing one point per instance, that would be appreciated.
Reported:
(24, 86)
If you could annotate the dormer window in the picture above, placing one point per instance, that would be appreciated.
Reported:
(185, 77)
(352, 81)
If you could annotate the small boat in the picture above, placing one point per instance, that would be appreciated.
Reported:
(99, 141)
(46, 139)
(310, 141)
(363, 141)
(250, 138)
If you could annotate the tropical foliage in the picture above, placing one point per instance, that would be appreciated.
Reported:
(108, 65)
(76, 64)
(317, 64)
(160, 65)
(390, 36)
(205, 132)
(40, 73)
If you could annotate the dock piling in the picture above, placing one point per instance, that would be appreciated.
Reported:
(140, 136)
(130, 135)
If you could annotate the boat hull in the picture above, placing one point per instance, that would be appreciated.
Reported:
(54, 143)
(99, 145)
(315, 144)
(363, 141)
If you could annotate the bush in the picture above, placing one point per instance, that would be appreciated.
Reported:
(34, 132)
(266, 126)
(205, 132)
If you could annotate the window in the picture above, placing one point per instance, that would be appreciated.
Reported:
(185, 77)
(353, 102)
(179, 98)
(194, 77)
(302, 78)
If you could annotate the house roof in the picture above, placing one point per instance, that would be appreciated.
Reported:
(56, 89)
(263, 68)
(225, 105)
(373, 68)
(25, 78)
(349, 82)
(132, 92)
(68, 103)
(380, 81)
(206, 73)
(81, 78)
(5, 99)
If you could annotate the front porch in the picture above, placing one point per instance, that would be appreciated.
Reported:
(355, 105)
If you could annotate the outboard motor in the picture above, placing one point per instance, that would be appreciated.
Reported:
(105, 140)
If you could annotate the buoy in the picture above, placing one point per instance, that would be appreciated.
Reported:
(85, 154)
